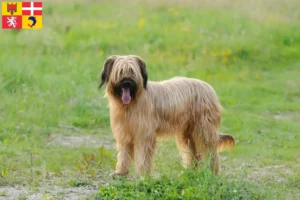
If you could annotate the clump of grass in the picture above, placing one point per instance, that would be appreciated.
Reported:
(79, 183)
(190, 184)
(2, 193)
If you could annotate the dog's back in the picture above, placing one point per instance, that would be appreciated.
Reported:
(180, 93)
(181, 100)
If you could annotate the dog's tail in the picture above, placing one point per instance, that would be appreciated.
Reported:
(226, 142)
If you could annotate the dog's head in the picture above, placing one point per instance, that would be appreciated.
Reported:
(125, 76)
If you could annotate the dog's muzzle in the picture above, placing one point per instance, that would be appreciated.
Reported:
(128, 88)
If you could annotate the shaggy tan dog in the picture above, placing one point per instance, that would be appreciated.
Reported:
(141, 111)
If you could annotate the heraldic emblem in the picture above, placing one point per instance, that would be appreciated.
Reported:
(22, 15)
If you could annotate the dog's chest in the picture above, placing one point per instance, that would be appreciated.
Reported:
(132, 120)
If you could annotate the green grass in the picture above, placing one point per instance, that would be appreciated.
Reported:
(249, 52)
(186, 185)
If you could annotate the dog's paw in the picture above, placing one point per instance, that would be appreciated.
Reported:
(116, 175)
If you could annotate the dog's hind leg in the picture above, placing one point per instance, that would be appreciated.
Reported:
(215, 162)
(144, 149)
(207, 144)
(186, 146)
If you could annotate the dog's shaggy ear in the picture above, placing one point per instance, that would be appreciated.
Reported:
(144, 73)
(107, 69)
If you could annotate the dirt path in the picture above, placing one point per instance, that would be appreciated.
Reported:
(86, 140)
(47, 192)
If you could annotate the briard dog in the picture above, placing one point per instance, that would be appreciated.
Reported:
(141, 111)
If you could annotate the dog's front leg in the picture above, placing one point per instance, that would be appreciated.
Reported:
(125, 154)
(144, 149)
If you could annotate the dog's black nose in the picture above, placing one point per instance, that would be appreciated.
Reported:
(126, 83)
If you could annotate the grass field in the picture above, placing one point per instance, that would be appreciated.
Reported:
(55, 138)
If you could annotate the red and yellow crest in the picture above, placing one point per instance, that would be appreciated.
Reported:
(22, 15)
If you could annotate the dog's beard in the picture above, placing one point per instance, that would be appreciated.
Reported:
(125, 90)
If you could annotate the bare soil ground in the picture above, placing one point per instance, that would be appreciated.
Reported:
(46, 192)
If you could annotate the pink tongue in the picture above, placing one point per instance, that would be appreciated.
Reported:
(126, 98)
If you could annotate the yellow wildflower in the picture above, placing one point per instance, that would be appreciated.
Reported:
(141, 23)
